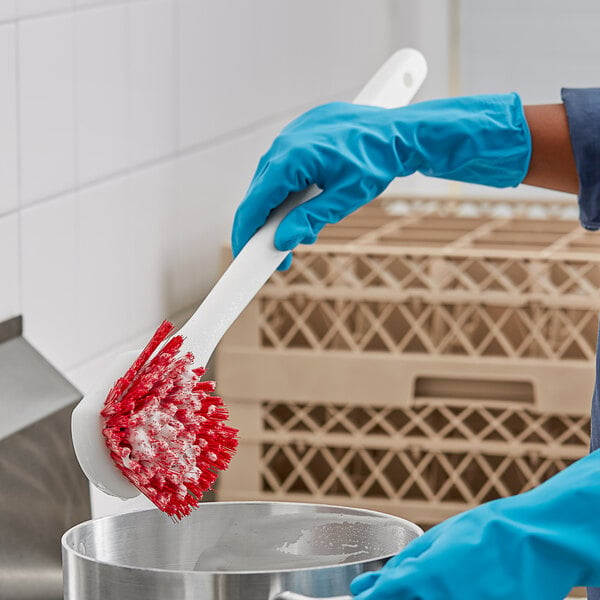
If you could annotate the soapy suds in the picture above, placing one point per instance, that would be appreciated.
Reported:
(164, 430)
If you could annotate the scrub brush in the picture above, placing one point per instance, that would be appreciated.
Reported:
(160, 431)
(163, 428)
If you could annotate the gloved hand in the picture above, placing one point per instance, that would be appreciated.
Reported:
(534, 546)
(353, 152)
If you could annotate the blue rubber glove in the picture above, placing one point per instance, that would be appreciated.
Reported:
(353, 152)
(535, 546)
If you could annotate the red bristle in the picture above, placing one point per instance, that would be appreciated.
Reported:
(123, 383)
(163, 430)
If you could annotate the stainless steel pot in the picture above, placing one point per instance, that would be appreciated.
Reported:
(229, 551)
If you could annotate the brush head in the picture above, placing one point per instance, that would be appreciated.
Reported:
(164, 429)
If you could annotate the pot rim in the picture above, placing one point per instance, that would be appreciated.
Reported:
(368, 512)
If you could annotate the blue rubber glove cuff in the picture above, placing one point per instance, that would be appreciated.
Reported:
(482, 139)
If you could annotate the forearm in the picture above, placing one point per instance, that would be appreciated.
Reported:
(552, 162)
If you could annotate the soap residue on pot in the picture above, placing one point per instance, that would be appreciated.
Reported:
(287, 542)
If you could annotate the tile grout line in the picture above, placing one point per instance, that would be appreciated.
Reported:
(76, 242)
(129, 215)
(178, 317)
(176, 74)
(75, 99)
(72, 9)
(188, 151)
(19, 167)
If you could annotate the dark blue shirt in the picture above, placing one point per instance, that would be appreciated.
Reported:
(583, 114)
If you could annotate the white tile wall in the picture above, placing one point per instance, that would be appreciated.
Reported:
(85, 3)
(199, 224)
(209, 89)
(48, 271)
(9, 266)
(118, 229)
(241, 62)
(28, 8)
(8, 9)
(46, 111)
(104, 266)
(9, 199)
(152, 80)
(155, 246)
(361, 42)
(102, 87)
(542, 56)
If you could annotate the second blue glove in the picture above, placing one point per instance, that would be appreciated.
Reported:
(534, 546)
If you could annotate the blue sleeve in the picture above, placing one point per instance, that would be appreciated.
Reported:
(583, 115)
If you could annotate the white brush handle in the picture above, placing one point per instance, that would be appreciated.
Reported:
(394, 85)
(242, 280)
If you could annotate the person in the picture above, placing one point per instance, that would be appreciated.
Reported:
(536, 545)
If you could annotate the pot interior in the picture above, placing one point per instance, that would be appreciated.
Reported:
(237, 537)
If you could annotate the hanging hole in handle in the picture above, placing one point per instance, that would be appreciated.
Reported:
(408, 79)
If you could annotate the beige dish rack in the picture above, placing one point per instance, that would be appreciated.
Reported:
(424, 356)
